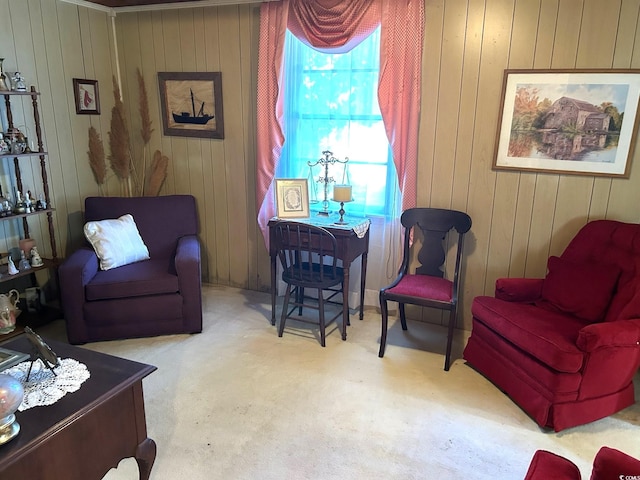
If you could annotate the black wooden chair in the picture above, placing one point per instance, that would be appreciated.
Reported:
(307, 254)
(425, 285)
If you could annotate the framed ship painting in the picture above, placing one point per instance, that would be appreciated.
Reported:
(191, 104)
(580, 122)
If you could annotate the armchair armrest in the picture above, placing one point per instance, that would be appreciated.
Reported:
(612, 356)
(187, 263)
(621, 333)
(519, 289)
(74, 273)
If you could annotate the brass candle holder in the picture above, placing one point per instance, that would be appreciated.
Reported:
(342, 194)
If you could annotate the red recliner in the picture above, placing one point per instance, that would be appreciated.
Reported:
(565, 348)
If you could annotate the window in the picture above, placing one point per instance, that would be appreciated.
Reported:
(332, 104)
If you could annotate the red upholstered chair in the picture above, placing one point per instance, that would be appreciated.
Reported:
(565, 348)
(609, 464)
(425, 284)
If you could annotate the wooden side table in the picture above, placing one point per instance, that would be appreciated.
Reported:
(350, 247)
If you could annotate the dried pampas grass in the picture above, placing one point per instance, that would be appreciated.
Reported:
(96, 156)
(123, 163)
(158, 175)
(143, 107)
(119, 142)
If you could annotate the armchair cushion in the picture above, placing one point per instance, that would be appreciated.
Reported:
(519, 289)
(116, 242)
(135, 280)
(581, 289)
(546, 335)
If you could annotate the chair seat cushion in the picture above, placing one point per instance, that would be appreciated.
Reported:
(546, 335)
(149, 277)
(424, 286)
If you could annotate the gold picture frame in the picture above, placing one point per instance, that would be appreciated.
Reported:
(292, 197)
(578, 121)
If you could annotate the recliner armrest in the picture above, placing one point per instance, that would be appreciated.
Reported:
(519, 289)
(621, 333)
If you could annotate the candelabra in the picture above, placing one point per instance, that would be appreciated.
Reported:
(324, 178)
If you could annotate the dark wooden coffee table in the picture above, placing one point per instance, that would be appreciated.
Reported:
(87, 432)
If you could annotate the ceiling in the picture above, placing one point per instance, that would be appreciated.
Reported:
(118, 4)
(133, 3)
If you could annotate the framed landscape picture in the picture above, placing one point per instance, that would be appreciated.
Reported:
(292, 198)
(191, 104)
(568, 121)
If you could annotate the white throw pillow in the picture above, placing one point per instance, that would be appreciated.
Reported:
(116, 242)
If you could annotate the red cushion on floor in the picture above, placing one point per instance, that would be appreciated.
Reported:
(549, 466)
(612, 463)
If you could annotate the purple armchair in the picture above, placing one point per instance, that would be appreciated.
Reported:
(158, 296)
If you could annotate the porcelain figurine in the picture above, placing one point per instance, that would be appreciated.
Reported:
(23, 264)
(18, 82)
(12, 268)
(36, 260)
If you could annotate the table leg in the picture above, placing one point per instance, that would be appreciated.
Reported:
(363, 278)
(273, 289)
(145, 456)
(345, 299)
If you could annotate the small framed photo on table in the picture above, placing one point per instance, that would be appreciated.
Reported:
(9, 358)
(292, 198)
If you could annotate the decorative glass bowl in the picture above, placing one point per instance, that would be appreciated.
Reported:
(11, 394)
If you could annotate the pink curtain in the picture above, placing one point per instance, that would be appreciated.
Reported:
(339, 25)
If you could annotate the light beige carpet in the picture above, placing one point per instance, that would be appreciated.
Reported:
(237, 402)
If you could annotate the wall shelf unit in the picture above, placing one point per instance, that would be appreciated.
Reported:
(35, 152)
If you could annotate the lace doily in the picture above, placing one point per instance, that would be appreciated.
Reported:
(359, 225)
(45, 388)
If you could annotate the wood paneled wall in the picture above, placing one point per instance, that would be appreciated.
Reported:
(219, 173)
(519, 218)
